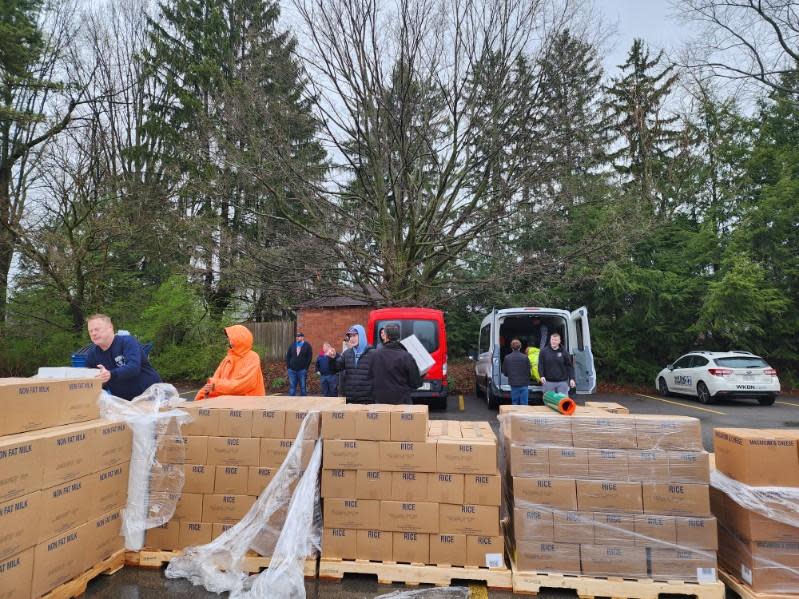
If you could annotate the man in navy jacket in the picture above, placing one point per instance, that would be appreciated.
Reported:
(124, 369)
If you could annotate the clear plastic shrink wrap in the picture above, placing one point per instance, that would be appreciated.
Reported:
(603, 494)
(217, 565)
(153, 488)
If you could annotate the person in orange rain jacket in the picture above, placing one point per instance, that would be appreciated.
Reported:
(239, 372)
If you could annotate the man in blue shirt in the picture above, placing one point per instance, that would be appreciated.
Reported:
(124, 369)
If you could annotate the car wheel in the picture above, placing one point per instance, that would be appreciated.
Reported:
(703, 394)
(767, 401)
(663, 388)
(493, 400)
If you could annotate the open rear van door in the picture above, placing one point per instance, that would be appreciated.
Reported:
(580, 346)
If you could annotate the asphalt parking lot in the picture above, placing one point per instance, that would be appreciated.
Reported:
(135, 583)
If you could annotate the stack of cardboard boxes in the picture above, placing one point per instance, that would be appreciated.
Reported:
(761, 551)
(229, 452)
(61, 487)
(605, 494)
(397, 488)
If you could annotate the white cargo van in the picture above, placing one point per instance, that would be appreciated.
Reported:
(530, 326)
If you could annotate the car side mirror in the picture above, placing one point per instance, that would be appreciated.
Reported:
(670, 366)
(473, 355)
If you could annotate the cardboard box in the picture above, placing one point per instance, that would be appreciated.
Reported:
(68, 453)
(19, 523)
(198, 478)
(683, 564)
(568, 462)
(448, 549)
(653, 530)
(375, 423)
(295, 417)
(606, 560)
(610, 496)
(533, 524)
(340, 543)
(409, 516)
(258, 479)
(485, 552)
(559, 493)
(274, 452)
(614, 529)
(374, 545)
(749, 525)
(174, 449)
(64, 507)
(534, 427)
(59, 559)
(21, 460)
(27, 405)
(204, 422)
(189, 507)
(699, 533)
(16, 575)
(194, 533)
(109, 489)
(352, 513)
(349, 454)
(235, 422)
(682, 433)
(415, 456)
(529, 461)
(483, 489)
(608, 464)
(225, 508)
(472, 457)
(234, 451)
(166, 536)
(443, 487)
(269, 423)
(105, 536)
(607, 431)
(77, 398)
(231, 480)
(563, 558)
(464, 519)
(338, 422)
(420, 355)
(573, 527)
(372, 484)
(409, 486)
(339, 483)
(759, 458)
(220, 528)
(444, 428)
(114, 444)
(607, 406)
(766, 567)
(679, 499)
(689, 466)
(650, 465)
(411, 547)
(409, 423)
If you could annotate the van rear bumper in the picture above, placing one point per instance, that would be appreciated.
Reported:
(438, 390)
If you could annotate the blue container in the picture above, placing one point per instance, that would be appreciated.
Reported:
(79, 357)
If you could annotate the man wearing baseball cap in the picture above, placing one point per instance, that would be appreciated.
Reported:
(298, 359)
(354, 366)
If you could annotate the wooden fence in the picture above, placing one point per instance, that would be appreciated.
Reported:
(272, 338)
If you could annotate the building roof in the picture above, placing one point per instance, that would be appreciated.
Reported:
(336, 301)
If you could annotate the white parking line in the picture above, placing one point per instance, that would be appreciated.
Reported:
(788, 403)
(684, 405)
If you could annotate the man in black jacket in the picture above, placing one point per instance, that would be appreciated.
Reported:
(555, 367)
(298, 359)
(516, 366)
(353, 365)
(393, 371)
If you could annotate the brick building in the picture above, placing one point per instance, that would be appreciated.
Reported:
(327, 319)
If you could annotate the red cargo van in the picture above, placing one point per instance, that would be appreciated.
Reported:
(428, 326)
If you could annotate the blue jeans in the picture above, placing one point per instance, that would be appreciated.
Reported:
(518, 396)
(297, 376)
(329, 385)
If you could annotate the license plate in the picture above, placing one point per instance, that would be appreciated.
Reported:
(425, 387)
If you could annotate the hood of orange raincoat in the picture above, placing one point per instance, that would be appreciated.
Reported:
(240, 339)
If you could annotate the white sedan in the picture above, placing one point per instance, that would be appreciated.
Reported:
(715, 375)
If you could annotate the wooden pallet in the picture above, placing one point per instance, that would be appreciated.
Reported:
(586, 587)
(155, 558)
(744, 591)
(77, 586)
(414, 574)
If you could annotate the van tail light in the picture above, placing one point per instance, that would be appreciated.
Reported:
(770, 372)
(444, 368)
(720, 371)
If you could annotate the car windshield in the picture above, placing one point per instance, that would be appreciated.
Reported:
(742, 362)
(426, 331)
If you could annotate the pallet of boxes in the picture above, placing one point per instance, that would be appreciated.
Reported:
(755, 497)
(608, 504)
(410, 501)
(229, 452)
(63, 482)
